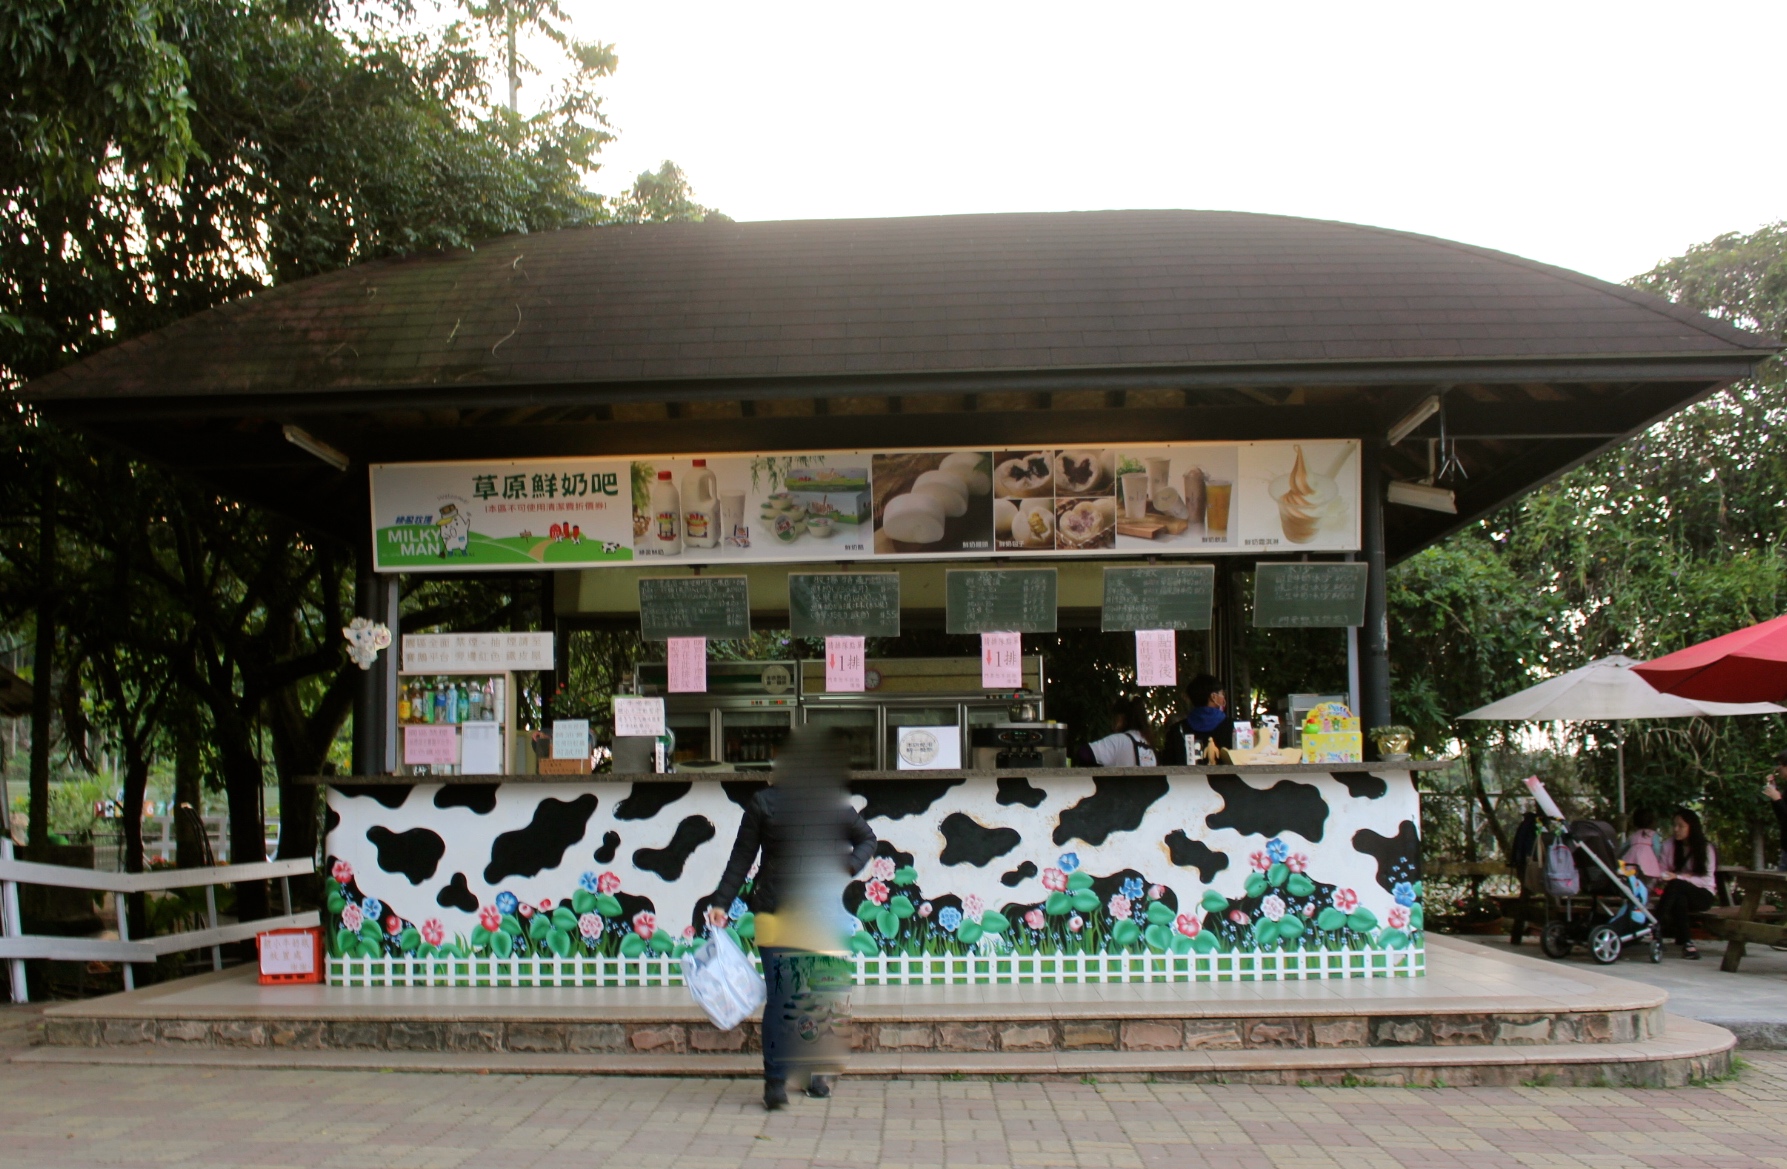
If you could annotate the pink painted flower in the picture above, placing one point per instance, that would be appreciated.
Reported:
(1297, 862)
(1054, 880)
(490, 917)
(1346, 900)
(525, 911)
(1398, 917)
(351, 918)
(1034, 919)
(1309, 910)
(433, 932)
(1272, 905)
(590, 926)
(875, 891)
(1236, 916)
(1186, 924)
(545, 903)
(1261, 861)
(393, 924)
(342, 872)
(973, 908)
(924, 909)
(688, 931)
(1119, 906)
(1076, 923)
(645, 924)
(607, 883)
(882, 868)
(1156, 892)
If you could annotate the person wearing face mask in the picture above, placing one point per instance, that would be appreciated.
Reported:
(1207, 718)
(1689, 866)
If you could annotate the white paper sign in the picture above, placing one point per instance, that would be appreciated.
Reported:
(638, 716)
(481, 749)
(570, 738)
(1001, 661)
(293, 953)
(475, 653)
(844, 665)
(928, 748)
(1156, 658)
(688, 665)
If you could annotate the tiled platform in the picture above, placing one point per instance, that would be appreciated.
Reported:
(1477, 1016)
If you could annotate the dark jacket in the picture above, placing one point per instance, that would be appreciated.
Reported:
(761, 830)
(1206, 722)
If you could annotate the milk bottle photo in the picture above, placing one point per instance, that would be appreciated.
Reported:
(665, 534)
(701, 507)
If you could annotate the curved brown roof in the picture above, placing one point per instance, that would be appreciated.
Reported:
(866, 299)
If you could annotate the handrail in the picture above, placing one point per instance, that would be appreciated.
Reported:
(16, 945)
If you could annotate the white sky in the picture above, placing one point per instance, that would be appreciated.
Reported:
(1601, 137)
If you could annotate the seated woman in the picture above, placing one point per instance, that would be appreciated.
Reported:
(1689, 865)
(1130, 743)
(1207, 718)
(1771, 787)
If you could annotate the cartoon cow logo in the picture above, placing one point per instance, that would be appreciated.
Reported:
(455, 529)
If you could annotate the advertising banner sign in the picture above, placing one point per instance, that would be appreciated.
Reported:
(1114, 500)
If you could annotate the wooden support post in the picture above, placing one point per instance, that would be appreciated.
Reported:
(211, 920)
(121, 903)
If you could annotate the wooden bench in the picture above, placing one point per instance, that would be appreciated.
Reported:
(1748, 921)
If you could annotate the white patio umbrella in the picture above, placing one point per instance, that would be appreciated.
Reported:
(1606, 690)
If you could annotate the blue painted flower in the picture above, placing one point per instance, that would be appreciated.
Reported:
(507, 902)
(738, 908)
(1132, 888)
(1277, 850)
(949, 917)
(588, 883)
(1403, 892)
(373, 908)
(1069, 861)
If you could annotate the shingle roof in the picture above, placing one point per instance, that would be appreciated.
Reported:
(922, 296)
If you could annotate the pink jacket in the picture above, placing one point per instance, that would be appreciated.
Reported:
(1712, 866)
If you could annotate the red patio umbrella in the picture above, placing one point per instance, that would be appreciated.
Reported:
(1749, 665)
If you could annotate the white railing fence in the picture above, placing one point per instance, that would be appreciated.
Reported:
(16, 945)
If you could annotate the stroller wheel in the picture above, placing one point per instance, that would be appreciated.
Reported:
(1656, 949)
(1555, 941)
(1604, 944)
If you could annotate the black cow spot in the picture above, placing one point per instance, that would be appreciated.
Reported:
(391, 795)
(668, 861)
(415, 853)
(1117, 804)
(1362, 785)
(1286, 806)
(1015, 789)
(1019, 875)
(527, 852)
(892, 799)
(479, 797)
(648, 799)
(742, 791)
(457, 896)
(331, 820)
(1195, 854)
(968, 842)
(610, 843)
(631, 905)
(1398, 857)
(900, 859)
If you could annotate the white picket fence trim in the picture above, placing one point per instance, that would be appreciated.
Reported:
(16, 945)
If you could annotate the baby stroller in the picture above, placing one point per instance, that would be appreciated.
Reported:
(1603, 905)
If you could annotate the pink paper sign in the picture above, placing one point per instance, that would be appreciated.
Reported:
(688, 665)
(1156, 658)
(843, 665)
(1001, 661)
(431, 744)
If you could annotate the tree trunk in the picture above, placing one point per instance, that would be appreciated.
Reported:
(136, 788)
(43, 659)
(242, 783)
(190, 850)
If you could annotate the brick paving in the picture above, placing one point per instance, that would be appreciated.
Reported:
(70, 1117)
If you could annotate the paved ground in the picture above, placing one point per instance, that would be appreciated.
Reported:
(170, 1118)
(1752, 1003)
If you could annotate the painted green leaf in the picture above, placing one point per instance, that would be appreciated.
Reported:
(1362, 919)
(345, 943)
(1158, 937)
(511, 925)
(370, 931)
(1085, 900)
(1417, 916)
(607, 905)
(994, 922)
(866, 911)
(1392, 939)
(632, 946)
(559, 942)
(905, 875)
(480, 937)
(1214, 902)
(1420, 887)
(888, 922)
(582, 902)
(1079, 880)
(1265, 931)
(426, 951)
(337, 902)
(461, 947)
(410, 940)
(564, 919)
(1290, 927)
(746, 926)
(1125, 932)
(501, 943)
(968, 932)
(1278, 874)
(1204, 943)
(368, 949)
(1058, 905)
(662, 942)
(1160, 913)
(864, 943)
(1330, 919)
(1256, 885)
(901, 905)
(538, 926)
(1183, 944)
(1297, 885)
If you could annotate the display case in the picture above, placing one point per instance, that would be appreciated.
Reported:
(456, 723)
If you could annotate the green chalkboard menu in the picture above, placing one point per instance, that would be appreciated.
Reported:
(828, 604)
(694, 606)
(1158, 597)
(1289, 596)
(1000, 600)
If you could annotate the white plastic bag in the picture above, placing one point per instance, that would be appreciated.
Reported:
(722, 981)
